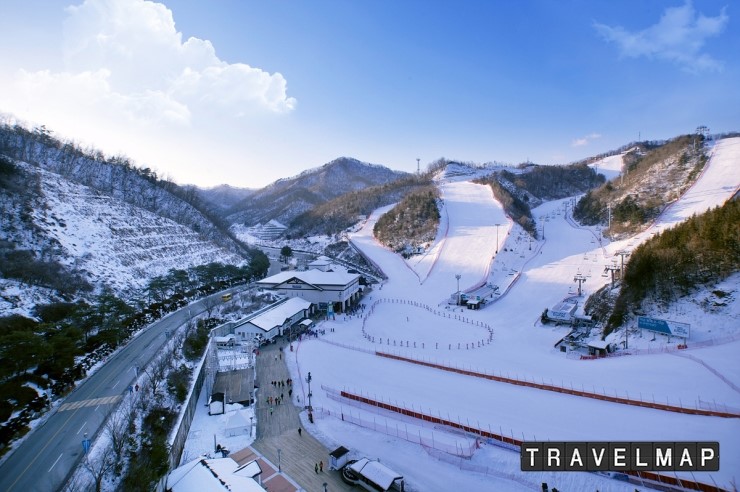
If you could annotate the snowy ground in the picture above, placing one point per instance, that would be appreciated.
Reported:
(207, 429)
(532, 276)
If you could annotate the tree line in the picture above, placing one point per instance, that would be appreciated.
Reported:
(701, 251)
(342, 212)
(639, 195)
(412, 222)
(63, 339)
(118, 177)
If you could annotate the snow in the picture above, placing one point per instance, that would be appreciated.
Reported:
(532, 276)
(205, 430)
(610, 166)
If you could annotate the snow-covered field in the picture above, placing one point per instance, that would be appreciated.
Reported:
(531, 276)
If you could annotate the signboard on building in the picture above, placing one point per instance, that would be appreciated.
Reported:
(664, 326)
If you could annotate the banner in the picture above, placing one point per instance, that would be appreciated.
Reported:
(664, 326)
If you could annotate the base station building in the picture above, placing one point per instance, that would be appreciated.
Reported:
(329, 291)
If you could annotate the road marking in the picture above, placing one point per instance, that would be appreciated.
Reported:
(83, 426)
(57, 461)
(114, 386)
(74, 405)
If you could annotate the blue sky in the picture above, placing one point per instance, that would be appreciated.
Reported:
(245, 92)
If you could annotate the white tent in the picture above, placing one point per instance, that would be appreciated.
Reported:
(237, 424)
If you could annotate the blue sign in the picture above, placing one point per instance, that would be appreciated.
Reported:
(664, 326)
(86, 445)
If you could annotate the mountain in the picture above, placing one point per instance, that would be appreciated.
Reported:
(285, 199)
(223, 197)
(74, 221)
(653, 176)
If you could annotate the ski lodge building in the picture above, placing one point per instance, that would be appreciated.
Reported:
(340, 290)
(274, 321)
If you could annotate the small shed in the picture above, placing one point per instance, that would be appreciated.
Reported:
(598, 347)
(338, 458)
(216, 404)
(225, 341)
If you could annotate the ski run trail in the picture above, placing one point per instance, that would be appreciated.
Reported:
(506, 338)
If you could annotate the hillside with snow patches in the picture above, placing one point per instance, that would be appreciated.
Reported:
(118, 244)
(112, 242)
(75, 221)
(409, 316)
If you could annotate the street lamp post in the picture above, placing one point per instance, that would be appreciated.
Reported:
(458, 288)
(308, 380)
(497, 237)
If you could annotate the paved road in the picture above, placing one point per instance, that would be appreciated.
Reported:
(43, 461)
(277, 429)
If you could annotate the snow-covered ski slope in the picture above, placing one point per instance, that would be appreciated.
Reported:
(521, 348)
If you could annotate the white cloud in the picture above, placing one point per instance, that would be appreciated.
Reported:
(126, 57)
(580, 142)
(679, 37)
(131, 85)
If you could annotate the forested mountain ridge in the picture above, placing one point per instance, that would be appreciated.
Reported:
(412, 223)
(532, 185)
(223, 197)
(653, 176)
(75, 220)
(344, 211)
(702, 251)
(286, 199)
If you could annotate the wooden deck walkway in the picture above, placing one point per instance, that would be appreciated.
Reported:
(277, 429)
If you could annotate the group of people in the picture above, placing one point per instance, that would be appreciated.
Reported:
(277, 400)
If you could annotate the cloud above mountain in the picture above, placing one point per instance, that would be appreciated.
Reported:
(679, 37)
(129, 83)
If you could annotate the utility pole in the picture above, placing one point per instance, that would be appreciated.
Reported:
(580, 279)
(418, 168)
(624, 253)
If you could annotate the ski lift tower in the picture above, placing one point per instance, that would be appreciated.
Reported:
(580, 279)
(611, 269)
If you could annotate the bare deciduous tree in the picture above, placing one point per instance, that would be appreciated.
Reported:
(99, 465)
(157, 372)
(210, 304)
(117, 430)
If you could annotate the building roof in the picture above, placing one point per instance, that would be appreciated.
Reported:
(225, 339)
(313, 277)
(277, 315)
(212, 475)
(339, 452)
(598, 344)
(376, 472)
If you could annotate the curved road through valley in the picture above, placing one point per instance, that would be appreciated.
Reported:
(43, 461)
